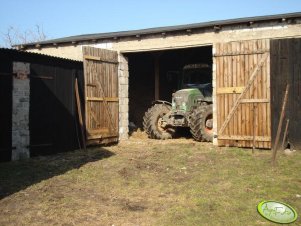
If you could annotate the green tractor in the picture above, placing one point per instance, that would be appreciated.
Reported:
(191, 107)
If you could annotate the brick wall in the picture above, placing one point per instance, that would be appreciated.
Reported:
(123, 86)
(20, 111)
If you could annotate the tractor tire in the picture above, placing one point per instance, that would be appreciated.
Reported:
(201, 123)
(145, 122)
(152, 122)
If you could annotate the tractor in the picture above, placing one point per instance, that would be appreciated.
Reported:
(191, 107)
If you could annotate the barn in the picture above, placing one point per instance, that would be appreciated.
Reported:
(38, 110)
(253, 60)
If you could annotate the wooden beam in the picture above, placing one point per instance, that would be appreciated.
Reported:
(102, 136)
(229, 90)
(103, 140)
(96, 136)
(239, 53)
(97, 58)
(91, 85)
(275, 148)
(108, 99)
(80, 116)
(97, 131)
(254, 126)
(248, 101)
(93, 115)
(246, 138)
(285, 134)
(92, 57)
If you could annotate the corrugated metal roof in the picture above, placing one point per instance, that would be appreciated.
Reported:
(149, 31)
(15, 51)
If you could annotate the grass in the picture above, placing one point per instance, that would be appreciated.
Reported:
(148, 182)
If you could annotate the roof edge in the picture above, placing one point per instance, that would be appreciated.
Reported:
(148, 31)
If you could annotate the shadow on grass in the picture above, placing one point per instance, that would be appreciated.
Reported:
(16, 176)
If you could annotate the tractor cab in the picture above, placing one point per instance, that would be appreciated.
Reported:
(197, 76)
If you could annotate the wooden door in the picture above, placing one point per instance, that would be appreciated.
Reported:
(42, 104)
(101, 95)
(6, 85)
(243, 93)
(286, 70)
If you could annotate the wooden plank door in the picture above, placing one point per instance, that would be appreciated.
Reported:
(6, 85)
(243, 93)
(101, 95)
(43, 102)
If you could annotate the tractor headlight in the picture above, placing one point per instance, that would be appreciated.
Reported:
(184, 107)
(173, 104)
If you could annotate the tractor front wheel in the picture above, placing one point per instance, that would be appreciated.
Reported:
(154, 125)
(201, 123)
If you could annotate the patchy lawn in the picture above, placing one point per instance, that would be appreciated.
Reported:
(148, 182)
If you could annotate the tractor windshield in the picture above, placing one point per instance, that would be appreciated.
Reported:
(198, 76)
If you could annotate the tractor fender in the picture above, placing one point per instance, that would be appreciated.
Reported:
(161, 102)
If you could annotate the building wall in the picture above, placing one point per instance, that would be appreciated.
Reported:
(20, 111)
(183, 39)
(271, 30)
(234, 33)
(123, 92)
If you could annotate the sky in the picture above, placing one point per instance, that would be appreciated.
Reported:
(62, 18)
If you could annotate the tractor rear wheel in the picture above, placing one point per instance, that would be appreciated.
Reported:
(201, 123)
(154, 125)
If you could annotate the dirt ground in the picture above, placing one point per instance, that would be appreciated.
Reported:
(147, 182)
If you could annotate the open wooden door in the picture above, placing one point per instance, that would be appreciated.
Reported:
(101, 95)
(243, 93)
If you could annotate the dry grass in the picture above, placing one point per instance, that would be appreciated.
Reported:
(147, 182)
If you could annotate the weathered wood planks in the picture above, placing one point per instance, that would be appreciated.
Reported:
(242, 80)
(286, 69)
(101, 92)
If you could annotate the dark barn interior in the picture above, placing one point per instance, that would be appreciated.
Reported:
(164, 66)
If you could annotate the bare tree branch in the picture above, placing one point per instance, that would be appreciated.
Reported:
(14, 36)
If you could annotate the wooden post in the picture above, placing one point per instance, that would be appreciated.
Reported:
(79, 113)
(157, 76)
(280, 124)
(285, 133)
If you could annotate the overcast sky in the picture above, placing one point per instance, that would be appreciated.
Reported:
(62, 18)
